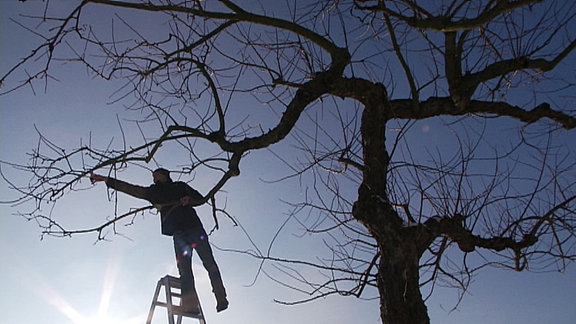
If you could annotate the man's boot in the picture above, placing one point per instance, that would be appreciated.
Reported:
(221, 301)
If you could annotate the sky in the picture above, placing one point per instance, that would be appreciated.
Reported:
(80, 281)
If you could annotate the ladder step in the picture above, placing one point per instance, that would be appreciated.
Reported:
(177, 311)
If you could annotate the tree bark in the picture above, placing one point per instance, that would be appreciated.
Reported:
(398, 271)
(398, 284)
(400, 252)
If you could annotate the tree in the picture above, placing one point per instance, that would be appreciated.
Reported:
(350, 84)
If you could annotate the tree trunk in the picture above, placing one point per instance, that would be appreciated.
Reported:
(398, 271)
(398, 285)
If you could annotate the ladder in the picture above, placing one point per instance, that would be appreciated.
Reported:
(172, 288)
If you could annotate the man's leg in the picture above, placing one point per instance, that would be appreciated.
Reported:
(183, 252)
(205, 252)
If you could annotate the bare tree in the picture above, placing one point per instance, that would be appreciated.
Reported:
(353, 86)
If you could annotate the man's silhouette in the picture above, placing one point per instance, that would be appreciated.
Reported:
(175, 200)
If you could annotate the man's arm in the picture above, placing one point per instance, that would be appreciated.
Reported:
(125, 187)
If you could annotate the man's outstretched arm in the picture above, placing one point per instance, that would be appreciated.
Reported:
(125, 187)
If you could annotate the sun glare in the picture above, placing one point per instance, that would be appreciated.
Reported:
(100, 320)
(105, 319)
(74, 315)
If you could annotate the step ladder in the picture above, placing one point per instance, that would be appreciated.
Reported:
(172, 289)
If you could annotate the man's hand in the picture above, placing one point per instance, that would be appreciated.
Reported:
(185, 201)
(97, 178)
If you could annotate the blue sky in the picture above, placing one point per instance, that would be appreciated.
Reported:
(73, 280)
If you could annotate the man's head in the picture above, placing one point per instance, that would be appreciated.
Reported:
(161, 175)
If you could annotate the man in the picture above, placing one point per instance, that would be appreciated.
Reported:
(179, 220)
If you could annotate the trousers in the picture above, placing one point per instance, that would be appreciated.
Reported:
(185, 242)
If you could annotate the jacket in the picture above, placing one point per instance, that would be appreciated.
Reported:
(166, 197)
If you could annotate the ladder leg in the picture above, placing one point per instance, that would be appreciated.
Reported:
(153, 305)
(169, 305)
